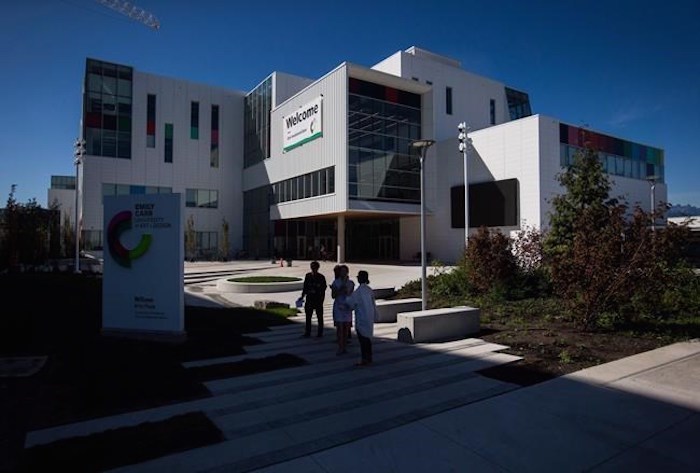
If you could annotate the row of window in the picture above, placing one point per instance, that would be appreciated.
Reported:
(199, 198)
(312, 184)
(63, 182)
(615, 165)
(207, 243)
(127, 189)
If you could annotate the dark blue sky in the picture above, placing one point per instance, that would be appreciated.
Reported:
(630, 69)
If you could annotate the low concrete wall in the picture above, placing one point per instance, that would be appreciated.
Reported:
(383, 292)
(224, 285)
(388, 309)
(431, 325)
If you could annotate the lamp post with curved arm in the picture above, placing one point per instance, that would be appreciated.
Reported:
(422, 146)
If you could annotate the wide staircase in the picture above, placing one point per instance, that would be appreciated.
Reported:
(271, 417)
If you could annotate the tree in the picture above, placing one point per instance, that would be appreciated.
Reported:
(586, 188)
(190, 239)
(67, 236)
(10, 249)
(223, 246)
(28, 233)
(600, 256)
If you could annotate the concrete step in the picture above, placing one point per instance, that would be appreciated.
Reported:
(248, 452)
(333, 375)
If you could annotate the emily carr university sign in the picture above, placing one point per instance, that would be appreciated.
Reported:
(143, 281)
(303, 125)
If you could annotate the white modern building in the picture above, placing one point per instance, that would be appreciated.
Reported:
(300, 165)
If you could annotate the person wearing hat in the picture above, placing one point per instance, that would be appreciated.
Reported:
(315, 291)
(365, 307)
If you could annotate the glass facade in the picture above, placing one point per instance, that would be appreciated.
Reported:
(256, 123)
(518, 104)
(202, 198)
(256, 221)
(107, 118)
(151, 121)
(372, 239)
(214, 155)
(618, 157)
(382, 122)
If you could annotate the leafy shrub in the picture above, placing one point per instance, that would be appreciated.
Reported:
(489, 262)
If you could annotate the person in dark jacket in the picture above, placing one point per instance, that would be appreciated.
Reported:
(315, 292)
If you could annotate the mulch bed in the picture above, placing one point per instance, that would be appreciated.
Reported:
(557, 348)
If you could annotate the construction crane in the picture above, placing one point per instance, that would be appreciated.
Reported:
(132, 11)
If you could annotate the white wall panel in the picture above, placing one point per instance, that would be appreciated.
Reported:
(191, 158)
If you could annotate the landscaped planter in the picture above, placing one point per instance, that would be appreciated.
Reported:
(249, 286)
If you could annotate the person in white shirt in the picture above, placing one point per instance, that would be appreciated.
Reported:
(365, 307)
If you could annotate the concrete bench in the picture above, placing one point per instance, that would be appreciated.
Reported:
(430, 325)
(383, 292)
(387, 309)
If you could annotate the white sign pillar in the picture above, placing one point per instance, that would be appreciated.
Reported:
(143, 281)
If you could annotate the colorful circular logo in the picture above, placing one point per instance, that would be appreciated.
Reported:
(120, 223)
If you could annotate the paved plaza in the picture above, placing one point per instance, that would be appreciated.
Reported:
(422, 407)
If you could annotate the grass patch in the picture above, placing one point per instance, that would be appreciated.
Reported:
(283, 311)
(264, 279)
(123, 446)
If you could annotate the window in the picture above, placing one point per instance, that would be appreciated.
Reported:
(151, 121)
(202, 198)
(415, 78)
(448, 100)
(214, 156)
(429, 82)
(492, 111)
(194, 121)
(168, 142)
(107, 110)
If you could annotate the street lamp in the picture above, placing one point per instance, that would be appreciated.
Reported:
(79, 153)
(422, 146)
(464, 143)
(652, 180)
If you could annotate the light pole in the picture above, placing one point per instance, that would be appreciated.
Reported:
(464, 143)
(422, 146)
(79, 153)
(652, 208)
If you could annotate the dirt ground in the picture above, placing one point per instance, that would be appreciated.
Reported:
(559, 348)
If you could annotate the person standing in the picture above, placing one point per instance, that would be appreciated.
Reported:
(365, 307)
(341, 288)
(315, 291)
